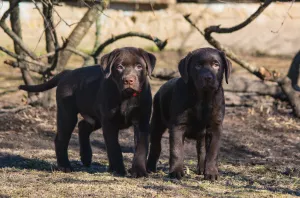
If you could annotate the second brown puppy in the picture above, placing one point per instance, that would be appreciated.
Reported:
(192, 107)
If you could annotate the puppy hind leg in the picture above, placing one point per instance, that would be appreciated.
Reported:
(114, 152)
(85, 130)
(66, 122)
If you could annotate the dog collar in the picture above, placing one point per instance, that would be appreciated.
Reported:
(136, 93)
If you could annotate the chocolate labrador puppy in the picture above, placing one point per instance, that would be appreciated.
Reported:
(193, 107)
(114, 96)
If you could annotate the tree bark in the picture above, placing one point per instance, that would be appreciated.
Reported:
(46, 97)
(12, 34)
(16, 28)
(78, 33)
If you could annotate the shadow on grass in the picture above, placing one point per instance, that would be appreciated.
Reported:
(19, 162)
(4, 196)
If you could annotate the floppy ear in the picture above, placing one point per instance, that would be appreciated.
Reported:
(227, 66)
(150, 60)
(107, 61)
(183, 67)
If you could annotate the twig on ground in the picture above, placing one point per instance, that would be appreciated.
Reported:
(14, 110)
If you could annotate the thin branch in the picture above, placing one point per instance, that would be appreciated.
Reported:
(287, 14)
(46, 21)
(47, 72)
(262, 72)
(71, 49)
(218, 29)
(79, 53)
(14, 110)
(69, 25)
(13, 35)
(159, 43)
(7, 12)
(187, 18)
(34, 66)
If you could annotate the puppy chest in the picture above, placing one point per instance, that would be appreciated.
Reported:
(200, 115)
(197, 122)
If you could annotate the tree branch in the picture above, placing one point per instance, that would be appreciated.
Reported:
(11, 34)
(159, 43)
(79, 32)
(16, 27)
(237, 84)
(261, 72)
(287, 84)
(217, 29)
(37, 66)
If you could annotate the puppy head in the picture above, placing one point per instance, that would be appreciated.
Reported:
(128, 67)
(204, 67)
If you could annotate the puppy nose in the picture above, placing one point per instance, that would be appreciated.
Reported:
(208, 77)
(129, 80)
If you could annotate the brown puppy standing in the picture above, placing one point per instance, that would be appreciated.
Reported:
(192, 106)
(114, 96)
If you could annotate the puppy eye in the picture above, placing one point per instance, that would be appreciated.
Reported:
(138, 67)
(216, 65)
(198, 66)
(120, 67)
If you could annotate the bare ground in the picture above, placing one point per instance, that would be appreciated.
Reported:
(259, 155)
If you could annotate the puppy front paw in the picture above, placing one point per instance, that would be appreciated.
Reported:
(211, 173)
(177, 173)
(151, 166)
(119, 170)
(137, 172)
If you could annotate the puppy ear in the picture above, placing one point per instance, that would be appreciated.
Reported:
(183, 67)
(150, 60)
(107, 61)
(227, 66)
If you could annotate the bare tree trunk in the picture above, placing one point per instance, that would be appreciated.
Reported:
(78, 33)
(16, 28)
(46, 99)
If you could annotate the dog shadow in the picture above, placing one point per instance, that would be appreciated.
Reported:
(19, 162)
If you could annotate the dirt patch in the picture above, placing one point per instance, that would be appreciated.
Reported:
(259, 157)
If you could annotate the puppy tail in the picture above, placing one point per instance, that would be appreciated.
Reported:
(45, 86)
